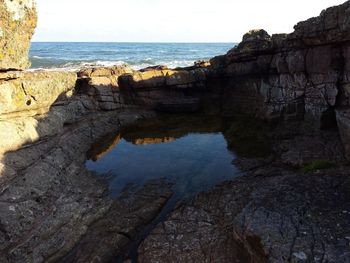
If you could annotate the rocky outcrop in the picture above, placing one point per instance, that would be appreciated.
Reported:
(269, 215)
(33, 92)
(101, 85)
(155, 88)
(300, 77)
(17, 22)
(166, 90)
(48, 199)
(127, 217)
(34, 105)
(52, 208)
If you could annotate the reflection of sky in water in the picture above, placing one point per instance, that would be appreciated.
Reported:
(194, 162)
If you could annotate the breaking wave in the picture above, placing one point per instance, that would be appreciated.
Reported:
(73, 56)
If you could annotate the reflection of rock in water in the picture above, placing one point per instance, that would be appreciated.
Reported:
(166, 128)
(103, 146)
(146, 141)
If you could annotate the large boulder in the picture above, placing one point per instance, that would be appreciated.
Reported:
(33, 92)
(101, 84)
(17, 22)
(34, 105)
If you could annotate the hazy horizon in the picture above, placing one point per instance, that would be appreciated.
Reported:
(156, 21)
(135, 42)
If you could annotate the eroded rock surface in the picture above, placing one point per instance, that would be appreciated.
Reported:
(101, 85)
(301, 77)
(52, 208)
(126, 219)
(270, 215)
(47, 197)
(34, 92)
(34, 105)
(17, 22)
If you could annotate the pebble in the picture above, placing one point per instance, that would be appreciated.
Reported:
(300, 255)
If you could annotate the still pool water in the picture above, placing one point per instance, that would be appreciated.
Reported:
(193, 157)
(192, 152)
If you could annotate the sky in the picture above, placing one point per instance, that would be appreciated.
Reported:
(169, 21)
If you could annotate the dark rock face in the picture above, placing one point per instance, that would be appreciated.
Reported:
(302, 76)
(101, 85)
(48, 199)
(126, 218)
(155, 88)
(274, 213)
(270, 215)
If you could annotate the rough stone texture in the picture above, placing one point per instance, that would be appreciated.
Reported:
(34, 105)
(301, 150)
(300, 77)
(47, 197)
(101, 85)
(19, 131)
(17, 22)
(127, 217)
(34, 92)
(343, 118)
(50, 204)
(270, 215)
(166, 90)
(161, 78)
(157, 88)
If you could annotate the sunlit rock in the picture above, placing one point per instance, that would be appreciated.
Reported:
(17, 23)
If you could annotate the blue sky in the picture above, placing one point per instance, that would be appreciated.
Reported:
(169, 21)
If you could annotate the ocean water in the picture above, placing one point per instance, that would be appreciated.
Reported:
(72, 55)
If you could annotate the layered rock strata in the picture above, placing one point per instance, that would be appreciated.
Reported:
(101, 85)
(302, 76)
(34, 105)
(52, 208)
(48, 199)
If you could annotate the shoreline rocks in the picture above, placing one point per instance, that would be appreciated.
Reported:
(18, 21)
(52, 208)
(269, 215)
(300, 78)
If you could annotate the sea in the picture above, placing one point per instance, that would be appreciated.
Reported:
(73, 55)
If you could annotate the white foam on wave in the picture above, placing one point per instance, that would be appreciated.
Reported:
(39, 57)
(75, 66)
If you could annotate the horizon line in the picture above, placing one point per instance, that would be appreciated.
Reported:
(137, 42)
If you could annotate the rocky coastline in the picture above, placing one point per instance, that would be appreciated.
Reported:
(292, 92)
